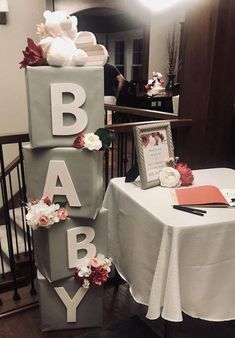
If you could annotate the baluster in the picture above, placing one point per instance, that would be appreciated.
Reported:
(121, 154)
(14, 217)
(133, 153)
(106, 167)
(16, 295)
(31, 263)
(125, 158)
(112, 155)
(22, 210)
(1, 259)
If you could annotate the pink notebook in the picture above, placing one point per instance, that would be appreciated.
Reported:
(200, 195)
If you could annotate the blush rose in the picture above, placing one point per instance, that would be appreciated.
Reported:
(62, 214)
(43, 221)
(186, 175)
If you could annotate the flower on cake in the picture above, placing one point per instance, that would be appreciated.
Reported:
(94, 271)
(44, 213)
(155, 86)
(100, 140)
(175, 174)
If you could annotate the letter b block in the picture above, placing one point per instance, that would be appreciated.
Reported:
(61, 248)
(63, 102)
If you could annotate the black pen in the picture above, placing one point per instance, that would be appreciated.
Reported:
(193, 211)
(182, 207)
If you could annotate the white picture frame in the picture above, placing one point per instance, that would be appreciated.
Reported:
(154, 147)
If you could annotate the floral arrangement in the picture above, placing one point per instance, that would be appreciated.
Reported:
(100, 140)
(94, 271)
(33, 55)
(44, 213)
(155, 86)
(175, 174)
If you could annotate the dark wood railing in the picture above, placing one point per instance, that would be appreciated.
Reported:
(119, 158)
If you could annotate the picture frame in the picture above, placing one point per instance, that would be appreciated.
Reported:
(154, 146)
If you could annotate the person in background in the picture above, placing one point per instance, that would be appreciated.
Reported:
(113, 84)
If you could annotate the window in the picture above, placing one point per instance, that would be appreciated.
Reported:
(137, 60)
(120, 56)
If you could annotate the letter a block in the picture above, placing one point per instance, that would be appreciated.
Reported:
(67, 305)
(71, 177)
(63, 102)
(61, 248)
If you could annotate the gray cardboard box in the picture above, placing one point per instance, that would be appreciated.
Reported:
(84, 167)
(51, 246)
(54, 313)
(38, 84)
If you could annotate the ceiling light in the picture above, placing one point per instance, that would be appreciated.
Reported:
(159, 5)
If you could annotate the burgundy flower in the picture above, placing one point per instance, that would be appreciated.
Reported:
(33, 55)
(47, 200)
(79, 141)
(186, 174)
(99, 275)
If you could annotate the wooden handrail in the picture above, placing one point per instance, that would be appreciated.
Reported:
(11, 166)
(14, 138)
(122, 127)
(127, 127)
(141, 112)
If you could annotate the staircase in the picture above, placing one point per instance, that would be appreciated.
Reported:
(20, 249)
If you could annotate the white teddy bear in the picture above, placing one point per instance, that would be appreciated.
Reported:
(57, 40)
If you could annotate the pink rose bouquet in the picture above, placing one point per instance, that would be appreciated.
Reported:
(43, 213)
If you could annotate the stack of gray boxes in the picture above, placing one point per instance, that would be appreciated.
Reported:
(63, 302)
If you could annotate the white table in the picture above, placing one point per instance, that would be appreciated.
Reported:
(174, 261)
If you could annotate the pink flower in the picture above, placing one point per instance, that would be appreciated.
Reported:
(186, 175)
(145, 139)
(33, 55)
(94, 263)
(62, 214)
(47, 200)
(34, 201)
(79, 141)
(43, 221)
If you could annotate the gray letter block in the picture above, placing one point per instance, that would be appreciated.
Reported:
(89, 312)
(38, 81)
(51, 248)
(86, 171)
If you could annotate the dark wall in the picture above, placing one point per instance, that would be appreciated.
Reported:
(107, 24)
(208, 85)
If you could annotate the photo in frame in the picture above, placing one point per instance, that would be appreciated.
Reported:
(154, 146)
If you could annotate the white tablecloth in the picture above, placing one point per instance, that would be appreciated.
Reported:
(174, 261)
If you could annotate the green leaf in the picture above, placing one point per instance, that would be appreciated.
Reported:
(106, 136)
